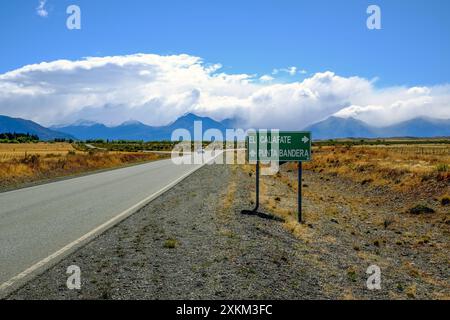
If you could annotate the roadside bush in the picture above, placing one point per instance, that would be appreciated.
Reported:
(445, 200)
(443, 176)
(31, 160)
(421, 209)
(392, 174)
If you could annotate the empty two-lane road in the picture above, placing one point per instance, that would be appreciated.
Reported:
(40, 223)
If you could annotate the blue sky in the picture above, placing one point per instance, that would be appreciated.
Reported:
(252, 37)
(218, 58)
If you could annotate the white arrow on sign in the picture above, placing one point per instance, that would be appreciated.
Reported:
(305, 139)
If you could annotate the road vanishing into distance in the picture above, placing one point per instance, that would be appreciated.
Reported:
(41, 223)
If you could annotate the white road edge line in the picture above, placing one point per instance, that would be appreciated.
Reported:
(95, 232)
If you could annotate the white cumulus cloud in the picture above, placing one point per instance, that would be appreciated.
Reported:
(291, 71)
(266, 78)
(157, 89)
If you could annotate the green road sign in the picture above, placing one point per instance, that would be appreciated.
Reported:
(269, 145)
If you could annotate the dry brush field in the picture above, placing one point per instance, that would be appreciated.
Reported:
(401, 167)
(363, 205)
(21, 164)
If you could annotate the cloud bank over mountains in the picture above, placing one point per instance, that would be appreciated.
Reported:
(157, 89)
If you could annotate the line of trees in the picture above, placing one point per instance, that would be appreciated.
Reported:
(14, 137)
(18, 137)
(63, 140)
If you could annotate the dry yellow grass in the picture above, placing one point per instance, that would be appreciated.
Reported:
(229, 195)
(24, 163)
(401, 167)
(9, 151)
(335, 218)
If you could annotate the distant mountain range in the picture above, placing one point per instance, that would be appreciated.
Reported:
(335, 127)
(331, 128)
(135, 130)
(17, 125)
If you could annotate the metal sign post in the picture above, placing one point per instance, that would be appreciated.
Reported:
(257, 187)
(299, 192)
(255, 210)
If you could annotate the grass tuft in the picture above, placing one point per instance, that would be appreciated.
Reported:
(442, 167)
(171, 243)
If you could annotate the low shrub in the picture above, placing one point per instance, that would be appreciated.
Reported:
(421, 209)
(170, 243)
(445, 200)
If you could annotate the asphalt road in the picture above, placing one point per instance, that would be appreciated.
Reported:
(40, 223)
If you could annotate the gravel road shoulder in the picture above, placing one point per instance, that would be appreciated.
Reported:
(190, 243)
